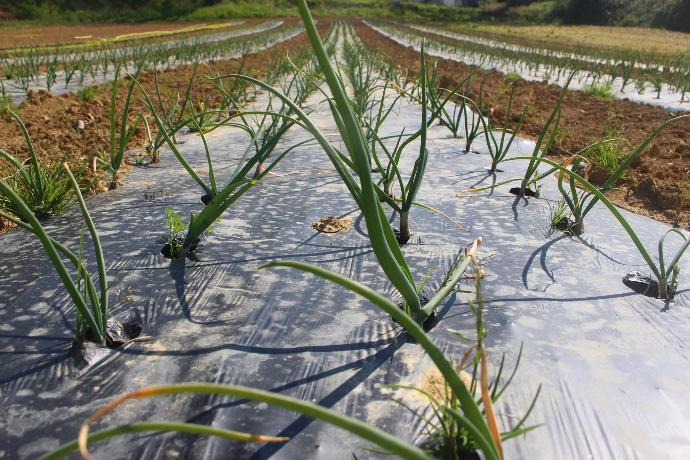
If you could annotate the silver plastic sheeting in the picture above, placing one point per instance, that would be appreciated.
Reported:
(669, 98)
(613, 365)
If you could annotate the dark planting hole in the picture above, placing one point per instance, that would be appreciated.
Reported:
(565, 225)
(431, 320)
(412, 241)
(528, 192)
(171, 249)
(643, 284)
(118, 333)
(441, 447)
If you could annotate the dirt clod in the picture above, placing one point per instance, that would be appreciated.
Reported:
(332, 224)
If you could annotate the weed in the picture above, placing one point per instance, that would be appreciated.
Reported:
(173, 238)
(88, 93)
(608, 156)
(602, 91)
(513, 77)
(559, 216)
(447, 435)
(44, 189)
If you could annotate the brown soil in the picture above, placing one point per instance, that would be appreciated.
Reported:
(434, 384)
(67, 34)
(658, 185)
(54, 122)
(331, 224)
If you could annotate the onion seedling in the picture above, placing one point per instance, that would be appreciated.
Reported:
(391, 172)
(550, 128)
(118, 144)
(468, 413)
(500, 146)
(474, 123)
(658, 84)
(408, 191)
(581, 202)
(218, 200)
(438, 103)
(270, 130)
(93, 318)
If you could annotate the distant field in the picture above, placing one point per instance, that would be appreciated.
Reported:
(624, 38)
(14, 37)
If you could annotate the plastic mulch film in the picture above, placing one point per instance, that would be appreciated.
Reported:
(613, 364)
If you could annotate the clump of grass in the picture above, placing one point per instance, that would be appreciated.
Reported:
(88, 93)
(173, 240)
(608, 155)
(6, 103)
(513, 77)
(602, 91)
(559, 216)
(44, 189)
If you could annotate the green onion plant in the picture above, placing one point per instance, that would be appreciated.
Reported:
(447, 437)
(543, 145)
(581, 200)
(118, 143)
(364, 192)
(91, 305)
(499, 146)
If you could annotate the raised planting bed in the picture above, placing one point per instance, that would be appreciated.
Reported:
(612, 363)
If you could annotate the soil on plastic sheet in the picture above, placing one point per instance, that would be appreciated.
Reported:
(332, 224)
(66, 34)
(54, 121)
(658, 185)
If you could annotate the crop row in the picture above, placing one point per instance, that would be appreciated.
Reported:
(30, 72)
(614, 77)
(362, 90)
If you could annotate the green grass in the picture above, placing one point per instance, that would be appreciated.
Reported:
(602, 91)
(609, 155)
(88, 93)
(6, 105)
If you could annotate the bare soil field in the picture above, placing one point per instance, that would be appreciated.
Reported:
(19, 37)
(658, 185)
